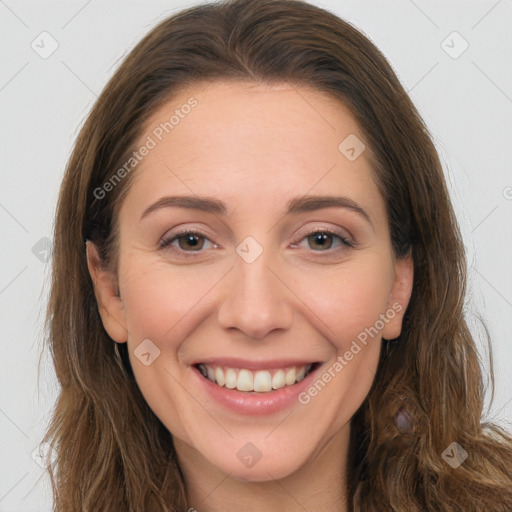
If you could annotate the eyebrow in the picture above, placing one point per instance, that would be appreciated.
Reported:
(294, 206)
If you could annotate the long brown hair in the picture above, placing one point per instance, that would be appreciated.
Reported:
(111, 453)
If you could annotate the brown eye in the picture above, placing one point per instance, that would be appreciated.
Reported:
(186, 243)
(321, 240)
(190, 241)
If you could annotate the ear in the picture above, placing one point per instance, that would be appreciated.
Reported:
(110, 304)
(399, 296)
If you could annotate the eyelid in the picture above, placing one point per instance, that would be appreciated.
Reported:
(340, 232)
(347, 242)
(171, 236)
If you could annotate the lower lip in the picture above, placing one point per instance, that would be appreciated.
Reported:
(252, 402)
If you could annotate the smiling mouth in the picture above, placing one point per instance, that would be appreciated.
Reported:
(261, 381)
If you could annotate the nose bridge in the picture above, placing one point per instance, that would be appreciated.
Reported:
(255, 300)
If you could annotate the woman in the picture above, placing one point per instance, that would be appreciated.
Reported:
(258, 284)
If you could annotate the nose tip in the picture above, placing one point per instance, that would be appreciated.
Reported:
(254, 300)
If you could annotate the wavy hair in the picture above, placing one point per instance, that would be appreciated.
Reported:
(111, 452)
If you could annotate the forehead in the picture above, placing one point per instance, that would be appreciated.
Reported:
(243, 141)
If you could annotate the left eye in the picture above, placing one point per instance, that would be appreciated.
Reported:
(324, 239)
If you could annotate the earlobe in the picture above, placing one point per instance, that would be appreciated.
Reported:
(399, 296)
(110, 305)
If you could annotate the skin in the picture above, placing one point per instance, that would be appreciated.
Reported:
(254, 147)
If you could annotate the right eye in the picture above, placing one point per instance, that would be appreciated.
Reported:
(189, 241)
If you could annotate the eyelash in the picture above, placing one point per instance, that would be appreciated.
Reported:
(166, 242)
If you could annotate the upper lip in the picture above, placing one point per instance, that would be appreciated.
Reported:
(234, 362)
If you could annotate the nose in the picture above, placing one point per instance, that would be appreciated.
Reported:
(256, 299)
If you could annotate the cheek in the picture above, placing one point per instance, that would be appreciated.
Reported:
(347, 307)
(160, 301)
(157, 301)
(333, 304)
(347, 300)
(160, 305)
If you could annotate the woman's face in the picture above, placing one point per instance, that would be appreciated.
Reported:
(254, 249)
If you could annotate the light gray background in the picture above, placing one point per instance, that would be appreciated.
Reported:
(466, 102)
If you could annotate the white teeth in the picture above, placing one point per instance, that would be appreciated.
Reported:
(301, 374)
(230, 378)
(278, 380)
(219, 376)
(261, 381)
(245, 381)
(290, 376)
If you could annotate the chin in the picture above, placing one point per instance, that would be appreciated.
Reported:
(259, 461)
